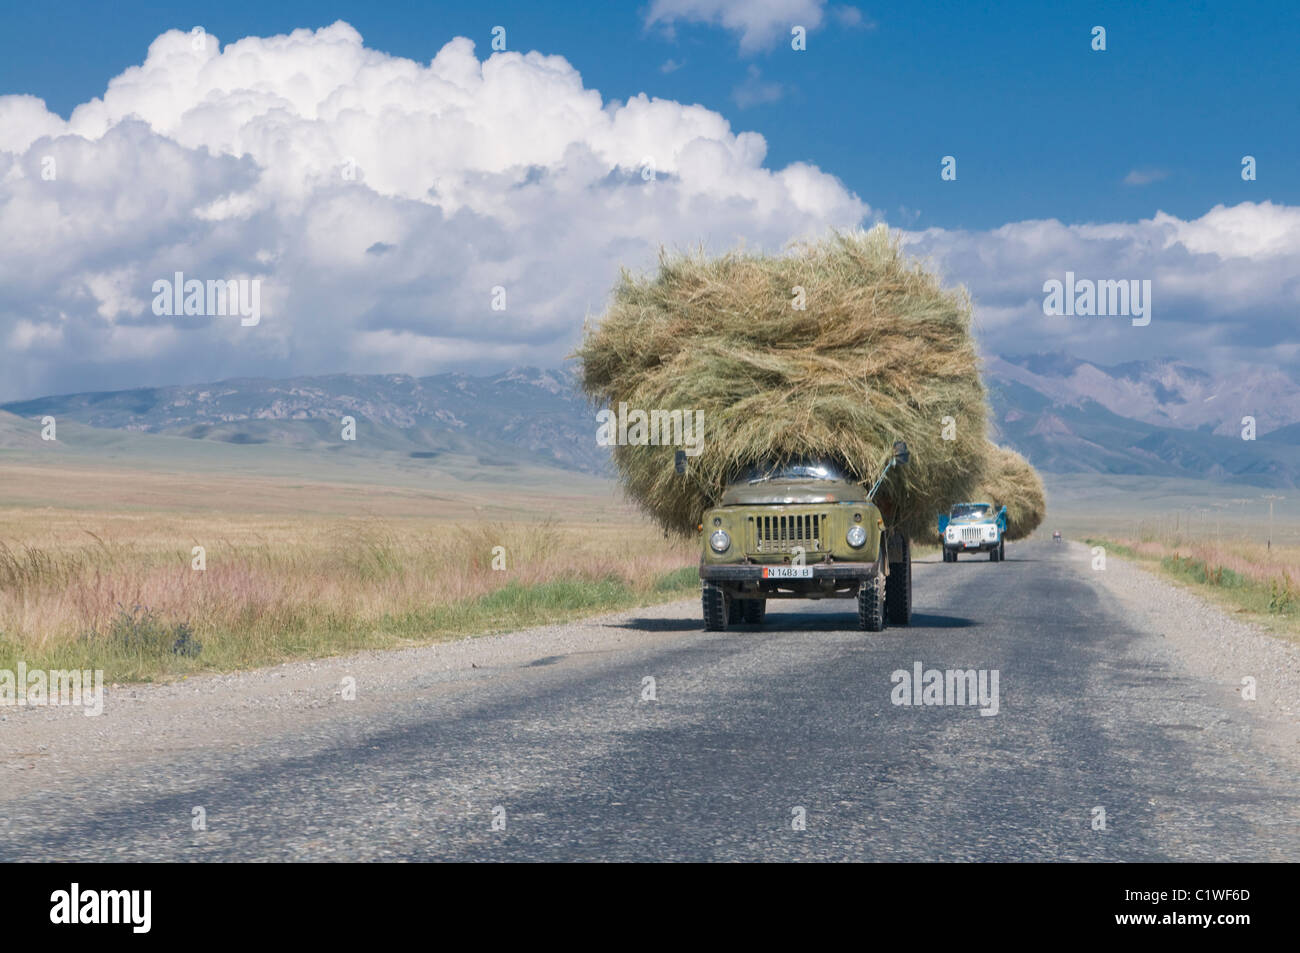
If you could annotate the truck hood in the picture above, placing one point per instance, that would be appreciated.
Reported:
(793, 491)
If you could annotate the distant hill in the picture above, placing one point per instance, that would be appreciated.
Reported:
(1156, 418)
(523, 416)
(1289, 435)
(1165, 393)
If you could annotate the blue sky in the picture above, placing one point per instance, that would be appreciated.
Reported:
(1041, 125)
(380, 172)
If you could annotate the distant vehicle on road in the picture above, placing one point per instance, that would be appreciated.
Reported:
(1056, 536)
(973, 528)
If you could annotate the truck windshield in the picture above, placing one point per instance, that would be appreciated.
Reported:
(794, 470)
(966, 511)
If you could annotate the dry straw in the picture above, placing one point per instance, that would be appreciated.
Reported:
(881, 352)
(1010, 481)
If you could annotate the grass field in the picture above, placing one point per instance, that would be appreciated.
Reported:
(97, 563)
(1081, 505)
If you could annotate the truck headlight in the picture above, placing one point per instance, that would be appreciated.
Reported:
(720, 541)
(952, 534)
(856, 536)
(991, 532)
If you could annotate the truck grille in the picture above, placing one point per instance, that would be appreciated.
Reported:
(972, 534)
(782, 534)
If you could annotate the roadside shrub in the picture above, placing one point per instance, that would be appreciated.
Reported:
(139, 631)
(1282, 595)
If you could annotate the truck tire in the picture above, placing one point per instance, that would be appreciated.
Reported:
(1002, 550)
(753, 611)
(898, 584)
(871, 604)
(717, 606)
(994, 554)
(949, 556)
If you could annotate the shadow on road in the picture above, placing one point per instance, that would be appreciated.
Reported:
(921, 620)
(847, 621)
(974, 559)
(797, 622)
(659, 625)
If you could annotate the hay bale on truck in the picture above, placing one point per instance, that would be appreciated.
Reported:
(805, 370)
(1010, 480)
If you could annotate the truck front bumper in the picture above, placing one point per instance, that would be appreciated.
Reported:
(753, 572)
(983, 546)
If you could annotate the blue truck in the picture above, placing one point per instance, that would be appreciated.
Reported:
(973, 528)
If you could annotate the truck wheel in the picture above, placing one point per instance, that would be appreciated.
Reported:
(755, 610)
(898, 586)
(1002, 550)
(949, 556)
(993, 554)
(717, 605)
(871, 605)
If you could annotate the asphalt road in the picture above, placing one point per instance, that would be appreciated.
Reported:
(748, 730)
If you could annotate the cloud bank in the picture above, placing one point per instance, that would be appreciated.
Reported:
(386, 205)
(380, 201)
(1225, 286)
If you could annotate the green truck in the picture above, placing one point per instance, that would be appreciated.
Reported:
(802, 529)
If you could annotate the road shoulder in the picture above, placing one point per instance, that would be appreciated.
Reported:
(41, 746)
(1212, 645)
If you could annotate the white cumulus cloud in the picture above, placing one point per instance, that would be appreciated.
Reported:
(758, 23)
(378, 200)
(381, 201)
(1225, 287)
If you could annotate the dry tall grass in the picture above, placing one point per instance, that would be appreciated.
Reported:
(100, 582)
(1257, 579)
(1250, 560)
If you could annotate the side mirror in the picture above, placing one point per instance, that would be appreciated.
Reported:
(901, 453)
(679, 461)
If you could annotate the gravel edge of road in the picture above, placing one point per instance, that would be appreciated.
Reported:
(1211, 644)
(38, 745)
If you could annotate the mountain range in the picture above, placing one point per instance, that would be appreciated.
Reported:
(1160, 418)
(524, 415)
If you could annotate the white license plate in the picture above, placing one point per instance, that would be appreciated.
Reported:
(787, 572)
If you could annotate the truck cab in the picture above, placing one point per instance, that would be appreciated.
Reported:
(802, 529)
(973, 528)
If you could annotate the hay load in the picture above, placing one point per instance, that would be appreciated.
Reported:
(879, 352)
(1009, 480)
